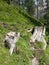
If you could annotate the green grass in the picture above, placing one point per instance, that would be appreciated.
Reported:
(16, 19)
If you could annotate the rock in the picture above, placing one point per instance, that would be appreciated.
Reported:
(32, 48)
(35, 61)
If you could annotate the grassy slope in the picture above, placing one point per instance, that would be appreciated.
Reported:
(14, 19)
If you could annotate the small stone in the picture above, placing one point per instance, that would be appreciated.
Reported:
(35, 61)
(32, 48)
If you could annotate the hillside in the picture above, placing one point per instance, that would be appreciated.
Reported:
(16, 19)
